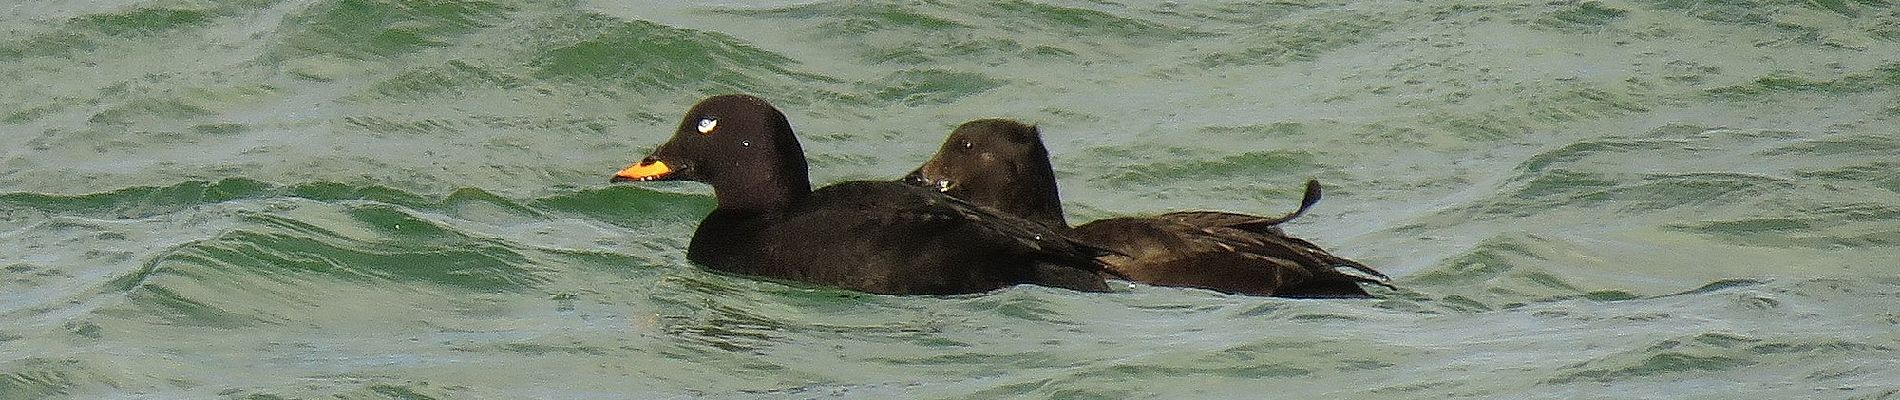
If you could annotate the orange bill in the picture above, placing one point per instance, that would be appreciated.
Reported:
(646, 170)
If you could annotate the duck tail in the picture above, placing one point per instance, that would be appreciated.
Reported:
(1307, 200)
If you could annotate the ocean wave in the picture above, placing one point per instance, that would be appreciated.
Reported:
(275, 249)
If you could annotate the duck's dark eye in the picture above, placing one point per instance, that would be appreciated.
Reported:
(967, 145)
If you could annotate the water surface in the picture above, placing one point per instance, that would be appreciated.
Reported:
(405, 199)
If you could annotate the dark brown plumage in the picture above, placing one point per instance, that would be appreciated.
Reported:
(878, 237)
(1003, 164)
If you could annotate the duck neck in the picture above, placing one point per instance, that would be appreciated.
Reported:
(1043, 203)
(762, 192)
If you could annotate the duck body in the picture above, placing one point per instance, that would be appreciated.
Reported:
(1166, 251)
(885, 237)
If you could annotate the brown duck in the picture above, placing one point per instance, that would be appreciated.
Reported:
(1003, 164)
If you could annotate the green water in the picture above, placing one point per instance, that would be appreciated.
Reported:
(373, 199)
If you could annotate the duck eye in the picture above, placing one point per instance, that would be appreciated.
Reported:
(967, 144)
(707, 124)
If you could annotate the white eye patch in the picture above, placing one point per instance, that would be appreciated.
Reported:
(707, 124)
